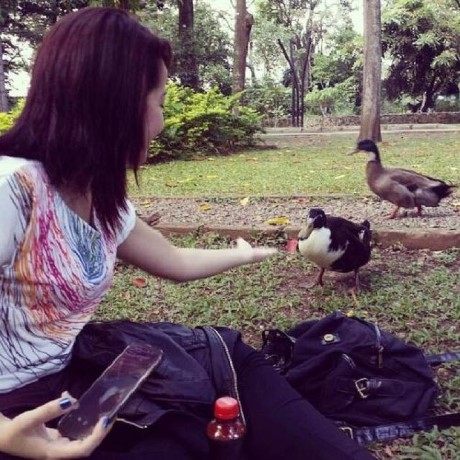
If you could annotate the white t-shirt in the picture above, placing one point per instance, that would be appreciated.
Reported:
(54, 270)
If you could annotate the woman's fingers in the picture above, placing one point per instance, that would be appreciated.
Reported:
(46, 412)
(82, 447)
(256, 254)
(263, 253)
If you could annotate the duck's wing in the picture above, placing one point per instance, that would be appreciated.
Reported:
(395, 185)
(411, 179)
(343, 231)
(355, 238)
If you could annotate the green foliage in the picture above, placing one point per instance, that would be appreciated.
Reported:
(422, 40)
(7, 119)
(272, 100)
(451, 104)
(203, 123)
(132, 5)
(334, 100)
(211, 43)
(342, 60)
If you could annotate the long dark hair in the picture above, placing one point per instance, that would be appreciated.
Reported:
(84, 117)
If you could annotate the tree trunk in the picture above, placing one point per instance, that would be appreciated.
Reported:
(305, 73)
(3, 94)
(187, 65)
(295, 85)
(243, 25)
(370, 109)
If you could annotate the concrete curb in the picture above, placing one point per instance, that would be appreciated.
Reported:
(432, 239)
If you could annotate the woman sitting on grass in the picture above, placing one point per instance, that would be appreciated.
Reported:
(94, 105)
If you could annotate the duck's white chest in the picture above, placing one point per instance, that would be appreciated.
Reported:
(316, 248)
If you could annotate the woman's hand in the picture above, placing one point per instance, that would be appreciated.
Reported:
(27, 436)
(254, 254)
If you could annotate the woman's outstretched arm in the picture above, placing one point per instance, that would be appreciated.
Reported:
(149, 250)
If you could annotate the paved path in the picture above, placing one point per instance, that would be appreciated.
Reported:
(346, 130)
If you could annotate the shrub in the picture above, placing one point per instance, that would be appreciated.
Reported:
(334, 100)
(7, 119)
(203, 123)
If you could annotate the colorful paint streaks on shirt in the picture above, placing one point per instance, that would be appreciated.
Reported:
(59, 270)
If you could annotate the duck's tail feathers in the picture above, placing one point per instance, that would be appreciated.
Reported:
(443, 190)
(366, 224)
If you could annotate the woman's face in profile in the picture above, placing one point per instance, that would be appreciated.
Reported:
(154, 121)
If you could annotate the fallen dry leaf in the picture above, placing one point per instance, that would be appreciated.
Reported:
(204, 207)
(278, 221)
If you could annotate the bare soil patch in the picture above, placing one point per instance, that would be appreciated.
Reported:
(258, 210)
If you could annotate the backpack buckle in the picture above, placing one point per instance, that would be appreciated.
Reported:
(347, 430)
(362, 387)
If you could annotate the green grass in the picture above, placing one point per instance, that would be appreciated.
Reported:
(414, 294)
(312, 165)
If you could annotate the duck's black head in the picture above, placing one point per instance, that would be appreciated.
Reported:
(367, 145)
(316, 218)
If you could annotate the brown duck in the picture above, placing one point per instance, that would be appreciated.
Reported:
(402, 187)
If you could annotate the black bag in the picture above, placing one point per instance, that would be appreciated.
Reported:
(352, 371)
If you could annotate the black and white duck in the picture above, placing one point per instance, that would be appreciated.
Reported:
(335, 244)
(402, 187)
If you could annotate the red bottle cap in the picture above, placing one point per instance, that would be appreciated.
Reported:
(226, 408)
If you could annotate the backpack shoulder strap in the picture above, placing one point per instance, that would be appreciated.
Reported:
(448, 356)
(391, 431)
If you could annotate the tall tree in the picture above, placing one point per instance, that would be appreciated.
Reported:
(372, 72)
(296, 45)
(243, 25)
(130, 5)
(22, 25)
(4, 106)
(212, 43)
(186, 55)
(301, 29)
(422, 40)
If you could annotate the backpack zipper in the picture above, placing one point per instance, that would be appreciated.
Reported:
(236, 393)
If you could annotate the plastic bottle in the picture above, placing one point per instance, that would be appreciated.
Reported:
(226, 430)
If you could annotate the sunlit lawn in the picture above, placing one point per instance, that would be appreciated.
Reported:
(314, 165)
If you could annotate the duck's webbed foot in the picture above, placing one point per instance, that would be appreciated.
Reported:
(354, 291)
(357, 286)
(394, 213)
(318, 281)
(354, 295)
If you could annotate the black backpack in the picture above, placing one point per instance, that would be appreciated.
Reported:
(358, 375)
